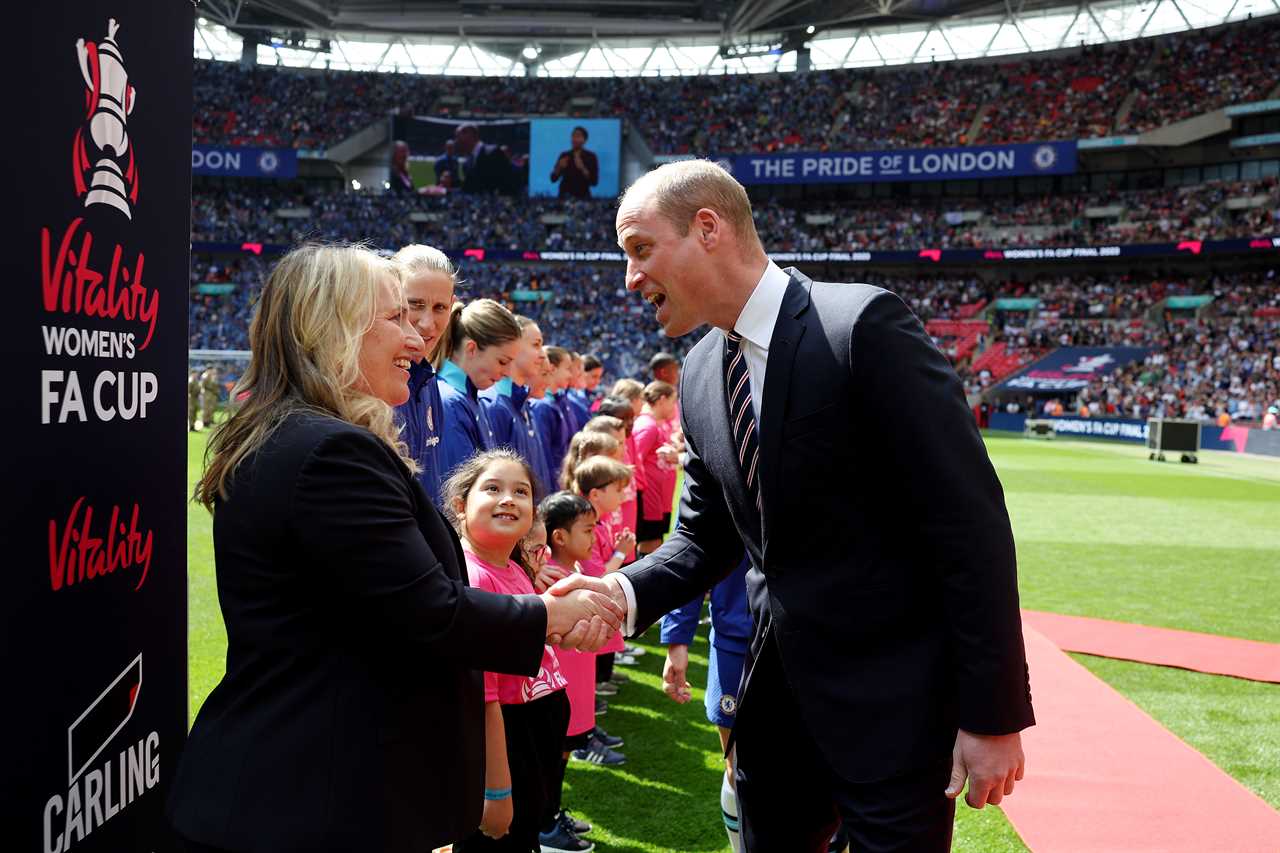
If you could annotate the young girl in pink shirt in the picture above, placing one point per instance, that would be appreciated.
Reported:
(491, 499)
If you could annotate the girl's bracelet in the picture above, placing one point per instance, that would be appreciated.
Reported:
(497, 793)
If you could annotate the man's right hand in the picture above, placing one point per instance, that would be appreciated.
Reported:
(675, 674)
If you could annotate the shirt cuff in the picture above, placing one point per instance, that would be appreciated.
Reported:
(629, 592)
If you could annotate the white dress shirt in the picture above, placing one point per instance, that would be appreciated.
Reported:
(755, 325)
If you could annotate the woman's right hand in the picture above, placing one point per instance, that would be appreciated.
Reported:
(586, 601)
(495, 821)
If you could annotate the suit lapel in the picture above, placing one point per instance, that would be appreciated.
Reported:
(783, 347)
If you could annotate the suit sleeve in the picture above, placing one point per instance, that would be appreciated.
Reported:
(353, 514)
(950, 493)
(704, 548)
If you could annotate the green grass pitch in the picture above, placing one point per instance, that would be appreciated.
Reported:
(1101, 532)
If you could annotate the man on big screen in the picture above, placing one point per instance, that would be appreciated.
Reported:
(833, 442)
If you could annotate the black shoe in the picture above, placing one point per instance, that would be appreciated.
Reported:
(562, 840)
(619, 678)
(571, 823)
(839, 842)
(602, 707)
(611, 741)
(597, 753)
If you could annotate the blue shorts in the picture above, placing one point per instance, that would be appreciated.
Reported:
(724, 674)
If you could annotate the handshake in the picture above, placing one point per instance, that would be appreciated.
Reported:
(584, 612)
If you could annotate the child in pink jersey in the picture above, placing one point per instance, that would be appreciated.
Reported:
(603, 482)
(625, 515)
(619, 408)
(659, 462)
(570, 521)
(491, 499)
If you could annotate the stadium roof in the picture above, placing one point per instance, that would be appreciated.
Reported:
(670, 37)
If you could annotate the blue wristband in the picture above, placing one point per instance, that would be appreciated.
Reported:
(497, 793)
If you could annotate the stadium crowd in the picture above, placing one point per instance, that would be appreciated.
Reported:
(265, 213)
(585, 308)
(1076, 94)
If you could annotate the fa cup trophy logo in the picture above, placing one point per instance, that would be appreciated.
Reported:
(112, 178)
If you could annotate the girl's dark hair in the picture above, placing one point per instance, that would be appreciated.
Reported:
(518, 555)
(616, 407)
(560, 510)
(462, 479)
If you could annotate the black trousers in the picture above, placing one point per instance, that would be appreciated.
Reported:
(790, 800)
(535, 735)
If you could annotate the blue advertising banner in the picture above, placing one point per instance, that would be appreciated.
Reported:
(915, 164)
(574, 157)
(1073, 368)
(244, 162)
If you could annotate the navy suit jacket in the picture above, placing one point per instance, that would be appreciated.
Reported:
(883, 565)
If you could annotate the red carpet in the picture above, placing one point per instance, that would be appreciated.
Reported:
(1215, 655)
(1104, 776)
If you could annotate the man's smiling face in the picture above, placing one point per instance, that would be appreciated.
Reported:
(663, 266)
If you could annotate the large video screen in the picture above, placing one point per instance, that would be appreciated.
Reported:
(438, 155)
(574, 157)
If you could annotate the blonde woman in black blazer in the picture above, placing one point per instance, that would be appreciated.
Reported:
(350, 717)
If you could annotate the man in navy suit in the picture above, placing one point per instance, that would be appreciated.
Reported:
(831, 441)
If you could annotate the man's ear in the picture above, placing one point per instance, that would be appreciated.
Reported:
(559, 537)
(709, 227)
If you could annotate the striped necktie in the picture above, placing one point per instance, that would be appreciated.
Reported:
(742, 417)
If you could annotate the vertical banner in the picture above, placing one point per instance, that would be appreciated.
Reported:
(93, 607)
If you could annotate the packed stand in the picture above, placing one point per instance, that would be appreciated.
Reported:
(1233, 65)
(1076, 95)
(238, 212)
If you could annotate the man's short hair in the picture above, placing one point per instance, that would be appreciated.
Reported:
(582, 130)
(684, 187)
(591, 362)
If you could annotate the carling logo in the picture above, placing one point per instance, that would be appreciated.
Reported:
(111, 176)
(98, 791)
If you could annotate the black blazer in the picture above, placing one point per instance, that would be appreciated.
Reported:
(351, 714)
(884, 562)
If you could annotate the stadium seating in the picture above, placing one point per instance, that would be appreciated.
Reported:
(1119, 88)
(270, 213)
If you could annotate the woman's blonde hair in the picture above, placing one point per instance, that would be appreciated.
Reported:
(306, 334)
(483, 321)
